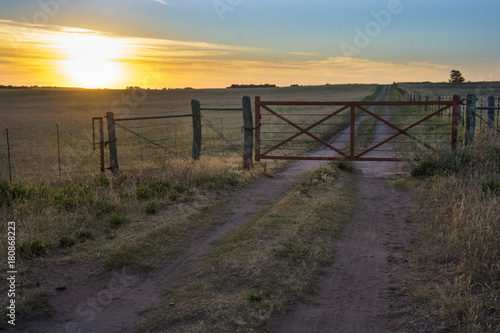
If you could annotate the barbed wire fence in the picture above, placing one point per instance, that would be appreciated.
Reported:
(47, 154)
(483, 107)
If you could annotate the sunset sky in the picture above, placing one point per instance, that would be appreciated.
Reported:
(215, 43)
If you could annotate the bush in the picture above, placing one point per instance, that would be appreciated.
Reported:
(346, 166)
(83, 235)
(66, 241)
(217, 182)
(104, 208)
(440, 163)
(150, 208)
(73, 196)
(149, 190)
(102, 181)
(33, 248)
(115, 220)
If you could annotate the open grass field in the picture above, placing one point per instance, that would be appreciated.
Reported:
(481, 89)
(31, 116)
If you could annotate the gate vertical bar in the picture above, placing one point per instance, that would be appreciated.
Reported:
(113, 150)
(353, 128)
(455, 121)
(470, 119)
(196, 149)
(257, 128)
(491, 112)
(248, 128)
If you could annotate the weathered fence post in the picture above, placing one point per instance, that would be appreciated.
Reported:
(113, 150)
(491, 112)
(196, 150)
(248, 127)
(470, 119)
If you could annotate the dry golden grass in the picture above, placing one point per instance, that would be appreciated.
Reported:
(458, 254)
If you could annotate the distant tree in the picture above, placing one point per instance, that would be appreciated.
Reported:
(456, 77)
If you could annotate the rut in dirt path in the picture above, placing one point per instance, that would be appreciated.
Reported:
(363, 291)
(121, 313)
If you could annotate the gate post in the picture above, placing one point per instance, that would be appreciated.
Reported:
(113, 151)
(248, 128)
(196, 109)
(470, 119)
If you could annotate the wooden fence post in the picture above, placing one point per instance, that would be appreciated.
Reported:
(491, 112)
(470, 119)
(248, 127)
(196, 150)
(113, 150)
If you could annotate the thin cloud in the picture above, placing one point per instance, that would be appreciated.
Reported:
(162, 2)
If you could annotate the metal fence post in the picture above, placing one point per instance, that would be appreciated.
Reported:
(470, 119)
(248, 127)
(196, 150)
(454, 121)
(113, 150)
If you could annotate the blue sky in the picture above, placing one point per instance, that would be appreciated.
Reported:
(443, 34)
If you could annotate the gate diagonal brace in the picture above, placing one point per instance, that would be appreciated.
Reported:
(305, 130)
(399, 130)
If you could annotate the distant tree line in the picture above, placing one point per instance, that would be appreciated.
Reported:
(234, 86)
(16, 87)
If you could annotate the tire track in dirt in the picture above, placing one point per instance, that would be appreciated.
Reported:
(122, 312)
(363, 291)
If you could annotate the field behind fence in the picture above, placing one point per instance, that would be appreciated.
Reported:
(50, 136)
(445, 91)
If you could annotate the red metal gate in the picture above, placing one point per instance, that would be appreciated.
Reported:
(280, 133)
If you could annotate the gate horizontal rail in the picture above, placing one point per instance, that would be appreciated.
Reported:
(349, 107)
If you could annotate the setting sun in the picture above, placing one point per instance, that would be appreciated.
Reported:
(92, 61)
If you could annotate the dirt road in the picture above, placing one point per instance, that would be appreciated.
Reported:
(358, 294)
(362, 291)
